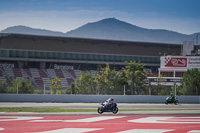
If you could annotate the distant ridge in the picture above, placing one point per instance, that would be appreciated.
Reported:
(111, 29)
(27, 30)
(114, 29)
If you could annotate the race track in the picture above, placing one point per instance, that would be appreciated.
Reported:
(95, 105)
(169, 121)
(101, 124)
(170, 109)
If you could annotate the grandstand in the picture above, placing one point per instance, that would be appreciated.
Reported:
(40, 58)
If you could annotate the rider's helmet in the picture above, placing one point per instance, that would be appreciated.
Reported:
(111, 99)
(171, 94)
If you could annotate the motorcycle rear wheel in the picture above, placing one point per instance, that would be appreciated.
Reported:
(100, 111)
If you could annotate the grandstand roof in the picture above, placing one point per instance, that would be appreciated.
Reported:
(64, 38)
(85, 45)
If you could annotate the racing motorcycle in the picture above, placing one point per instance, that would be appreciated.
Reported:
(171, 100)
(109, 108)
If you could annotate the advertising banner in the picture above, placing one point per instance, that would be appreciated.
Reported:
(194, 62)
(6, 65)
(168, 81)
(180, 62)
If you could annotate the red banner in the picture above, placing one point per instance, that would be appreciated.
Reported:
(175, 62)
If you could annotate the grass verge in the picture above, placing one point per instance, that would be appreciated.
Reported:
(44, 110)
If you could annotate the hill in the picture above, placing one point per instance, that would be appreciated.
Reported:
(111, 29)
(27, 30)
(114, 29)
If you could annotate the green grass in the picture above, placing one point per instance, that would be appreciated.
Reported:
(45, 110)
(77, 110)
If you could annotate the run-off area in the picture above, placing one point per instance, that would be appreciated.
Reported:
(101, 124)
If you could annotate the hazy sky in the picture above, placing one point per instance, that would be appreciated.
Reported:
(64, 15)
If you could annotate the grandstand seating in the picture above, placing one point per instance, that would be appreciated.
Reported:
(93, 72)
(66, 74)
(34, 72)
(17, 72)
(40, 77)
(39, 82)
(42, 73)
(64, 82)
(26, 72)
(59, 73)
(9, 82)
(51, 73)
(1, 76)
(77, 73)
(72, 73)
(9, 72)
(70, 81)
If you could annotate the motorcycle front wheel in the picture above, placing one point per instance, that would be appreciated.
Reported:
(115, 110)
(176, 102)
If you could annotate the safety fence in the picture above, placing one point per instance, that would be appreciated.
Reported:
(93, 98)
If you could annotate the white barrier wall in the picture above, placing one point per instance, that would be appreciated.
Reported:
(93, 98)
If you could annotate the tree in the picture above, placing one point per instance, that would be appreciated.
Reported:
(160, 89)
(22, 85)
(71, 88)
(55, 85)
(190, 82)
(3, 86)
(84, 84)
(134, 75)
(106, 80)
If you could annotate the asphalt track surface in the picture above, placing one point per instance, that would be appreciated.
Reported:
(95, 105)
(101, 124)
(182, 108)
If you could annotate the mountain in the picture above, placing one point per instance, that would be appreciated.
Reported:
(27, 30)
(114, 29)
(111, 29)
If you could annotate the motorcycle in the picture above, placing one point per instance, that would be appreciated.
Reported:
(110, 108)
(171, 100)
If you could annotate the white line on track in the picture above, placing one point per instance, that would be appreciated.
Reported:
(71, 130)
(18, 118)
(194, 131)
(177, 120)
(92, 119)
(95, 119)
(146, 131)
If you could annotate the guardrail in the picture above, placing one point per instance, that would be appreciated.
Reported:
(93, 98)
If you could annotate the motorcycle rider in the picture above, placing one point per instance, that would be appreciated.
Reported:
(108, 103)
(172, 97)
(108, 106)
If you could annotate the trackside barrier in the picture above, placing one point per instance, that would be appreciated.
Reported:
(93, 98)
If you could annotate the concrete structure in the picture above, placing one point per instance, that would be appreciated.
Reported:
(93, 98)
(40, 58)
